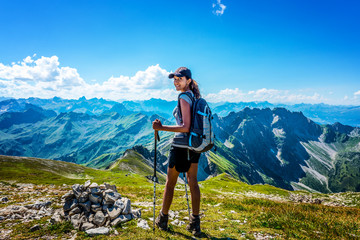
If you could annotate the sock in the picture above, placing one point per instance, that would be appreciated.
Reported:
(195, 216)
(165, 215)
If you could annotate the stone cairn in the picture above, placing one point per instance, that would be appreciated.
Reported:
(95, 208)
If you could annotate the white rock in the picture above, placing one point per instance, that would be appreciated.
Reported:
(113, 212)
(96, 207)
(75, 220)
(86, 226)
(94, 185)
(121, 219)
(70, 204)
(136, 213)
(175, 222)
(83, 197)
(86, 206)
(143, 224)
(94, 198)
(181, 223)
(68, 196)
(173, 214)
(87, 183)
(98, 231)
(127, 204)
(112, 187)
(74, 211)
(120, 204)
(99, 218)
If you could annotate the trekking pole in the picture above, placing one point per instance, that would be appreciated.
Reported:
(156, 136)
(186, 193)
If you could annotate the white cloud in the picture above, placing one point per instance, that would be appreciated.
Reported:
(228, 95)
(45, 78)
(264, 94)
(153, 78)
(218, 8)
(43, 69)
(28, 60)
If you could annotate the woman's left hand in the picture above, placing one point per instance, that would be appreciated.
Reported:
(157, 124)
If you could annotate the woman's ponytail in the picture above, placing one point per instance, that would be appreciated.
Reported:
(194, 87)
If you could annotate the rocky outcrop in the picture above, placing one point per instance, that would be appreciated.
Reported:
(95, 208)
(26, 213)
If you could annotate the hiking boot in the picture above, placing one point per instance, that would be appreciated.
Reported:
(194, 225)
(162, 221)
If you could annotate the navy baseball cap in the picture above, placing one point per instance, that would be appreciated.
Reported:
(181, 72)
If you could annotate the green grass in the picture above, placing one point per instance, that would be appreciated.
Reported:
(135, 163)
(347, 172)
(227, 209)
(225, 183)
(103, 161)
(224, 166)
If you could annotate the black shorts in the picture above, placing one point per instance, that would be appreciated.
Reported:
(178, 158)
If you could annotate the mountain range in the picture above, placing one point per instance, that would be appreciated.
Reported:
(319, 113)
(256, 145)
(288, 150)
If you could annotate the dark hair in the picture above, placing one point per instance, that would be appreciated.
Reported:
(194, 87)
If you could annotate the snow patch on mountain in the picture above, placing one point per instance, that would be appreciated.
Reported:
(278, 156)
(228, 144)
(275, 119)
(279, 132)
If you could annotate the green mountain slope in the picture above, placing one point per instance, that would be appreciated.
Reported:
(45, 171)
(134, 162)
(273, 146)
(230, 209)
(78, 137)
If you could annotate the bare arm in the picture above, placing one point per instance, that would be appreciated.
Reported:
(186, 117)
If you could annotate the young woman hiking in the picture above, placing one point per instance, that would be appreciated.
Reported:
(181, 159)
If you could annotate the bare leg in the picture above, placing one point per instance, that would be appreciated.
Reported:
(194, 188)
(171, 179)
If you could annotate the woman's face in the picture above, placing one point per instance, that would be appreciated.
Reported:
(180, 83)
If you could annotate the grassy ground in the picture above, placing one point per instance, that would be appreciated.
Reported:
(230, 209)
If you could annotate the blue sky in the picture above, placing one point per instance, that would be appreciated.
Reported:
(279, 51)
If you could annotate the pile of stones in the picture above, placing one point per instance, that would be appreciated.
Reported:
(95, 208)
(26, 213)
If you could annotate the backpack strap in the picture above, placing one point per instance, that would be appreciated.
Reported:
(192, 105)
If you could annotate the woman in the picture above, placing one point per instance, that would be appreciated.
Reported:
(180, 157)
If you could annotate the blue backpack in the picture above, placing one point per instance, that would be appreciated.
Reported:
(201, 136)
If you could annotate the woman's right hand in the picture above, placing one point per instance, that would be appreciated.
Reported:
(157, 124)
